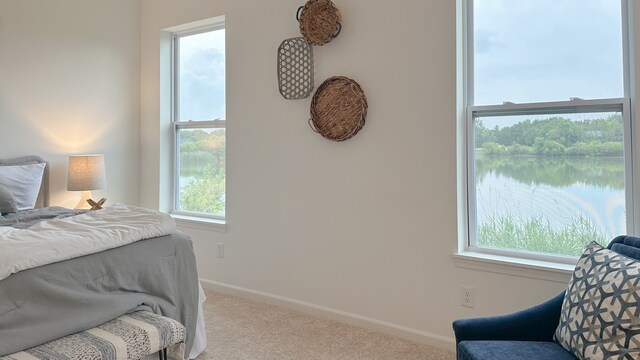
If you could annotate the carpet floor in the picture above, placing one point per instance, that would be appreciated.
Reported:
(241, 329)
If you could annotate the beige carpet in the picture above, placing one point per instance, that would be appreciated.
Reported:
(243, 329)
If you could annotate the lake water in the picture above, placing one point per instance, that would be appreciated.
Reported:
(558, 189)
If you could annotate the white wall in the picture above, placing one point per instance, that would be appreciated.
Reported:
(365, 227)
(69, 84)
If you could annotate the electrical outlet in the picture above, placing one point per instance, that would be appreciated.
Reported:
(467, 296)
(221, 250)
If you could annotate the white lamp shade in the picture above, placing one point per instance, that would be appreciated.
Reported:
(86, 172)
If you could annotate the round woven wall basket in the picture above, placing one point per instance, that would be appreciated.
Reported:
(320, 21)
(338, 109)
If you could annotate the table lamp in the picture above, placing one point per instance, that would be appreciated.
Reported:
(86, 173)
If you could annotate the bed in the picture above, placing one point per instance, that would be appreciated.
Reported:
(49, 301)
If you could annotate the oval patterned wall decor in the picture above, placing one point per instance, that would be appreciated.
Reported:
(295, 69)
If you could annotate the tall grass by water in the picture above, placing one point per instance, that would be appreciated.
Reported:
(537, 235)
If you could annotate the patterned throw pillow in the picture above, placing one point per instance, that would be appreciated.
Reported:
(600, 316)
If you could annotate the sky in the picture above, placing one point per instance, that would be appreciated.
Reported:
(547, 50)
(524, 51)
(202, 76)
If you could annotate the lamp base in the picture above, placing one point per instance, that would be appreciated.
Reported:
(83, 204)
(96, 205)
(86, 203)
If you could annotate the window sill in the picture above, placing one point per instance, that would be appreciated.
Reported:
(199, 223)
(534, 269)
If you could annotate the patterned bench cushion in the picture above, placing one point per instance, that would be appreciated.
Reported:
(129, 337)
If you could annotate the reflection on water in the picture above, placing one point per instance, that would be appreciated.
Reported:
(555, 171)
(557, 189)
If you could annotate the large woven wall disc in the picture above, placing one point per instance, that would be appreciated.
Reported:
(320, 21)
(338, 109)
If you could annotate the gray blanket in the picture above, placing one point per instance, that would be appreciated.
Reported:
(56, 300)
(26, 218)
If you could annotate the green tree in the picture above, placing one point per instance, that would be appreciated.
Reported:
(483, 135)
(491, 148)
(548, 147)
(205, 194)
(554, 136)
(202, 162)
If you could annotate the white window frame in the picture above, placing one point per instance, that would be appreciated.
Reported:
(573, 106)
(177, 125)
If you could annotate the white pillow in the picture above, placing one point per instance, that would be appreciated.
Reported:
(7, 202)
(24, 183)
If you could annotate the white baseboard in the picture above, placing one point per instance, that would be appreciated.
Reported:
(404, 332)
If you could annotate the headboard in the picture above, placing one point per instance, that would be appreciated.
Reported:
(43, 195)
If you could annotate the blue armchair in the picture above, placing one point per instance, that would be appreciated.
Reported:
(526, 334)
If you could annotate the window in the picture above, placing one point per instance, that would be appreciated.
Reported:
(547, 126)
(199, 122)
